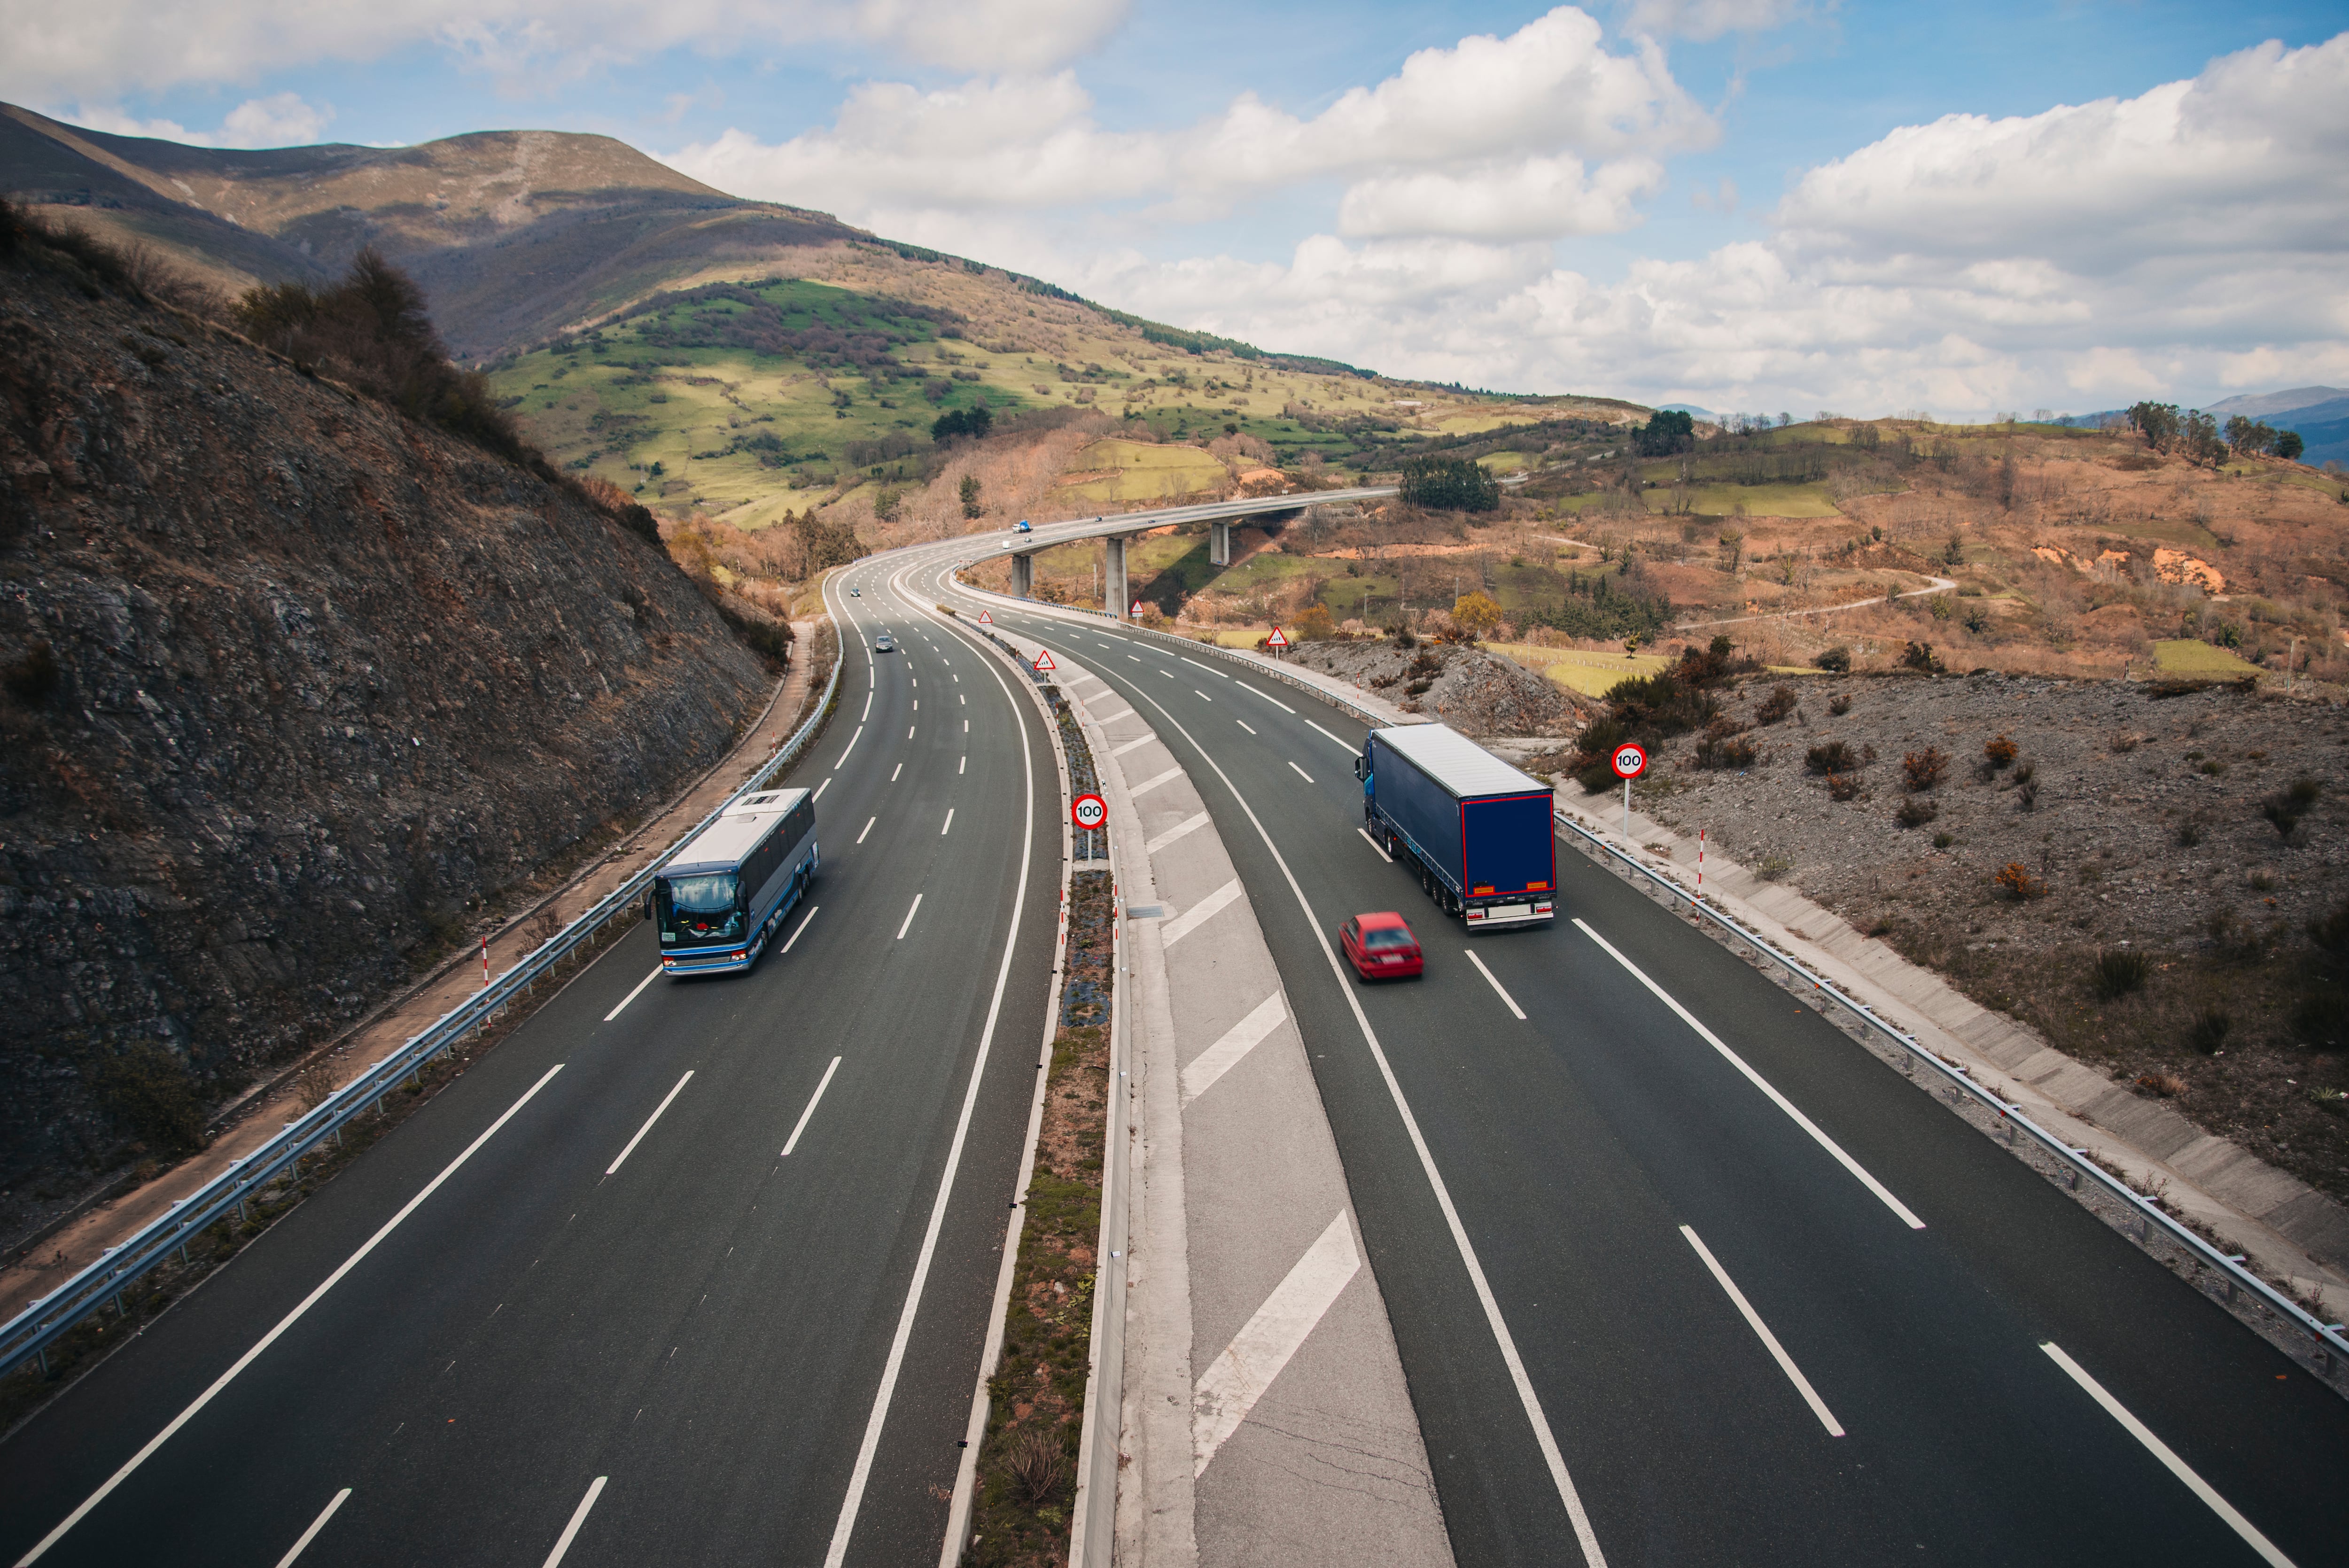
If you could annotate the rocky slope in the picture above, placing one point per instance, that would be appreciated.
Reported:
(290, 689)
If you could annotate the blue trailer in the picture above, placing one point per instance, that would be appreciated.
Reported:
(723, 894)
(1476, 830)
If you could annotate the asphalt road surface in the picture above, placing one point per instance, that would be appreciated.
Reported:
(584, 1300)
(1617, 1175)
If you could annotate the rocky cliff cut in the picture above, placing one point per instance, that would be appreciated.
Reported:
(291, 689)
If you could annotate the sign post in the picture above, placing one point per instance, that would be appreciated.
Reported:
(1630, 760)
(985, 619)
(1089, 811)
(1044, 665)
(1278, 641)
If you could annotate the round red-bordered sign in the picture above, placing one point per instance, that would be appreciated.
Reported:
(1630, 760)
(1089, 811)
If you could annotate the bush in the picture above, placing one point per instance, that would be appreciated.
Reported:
(1915, 812)
(2119, 971)
(1924, 768)
(2015, 881)
(1944, 840)
(1843, 786)
(2287, 806)
(1726, 745)
(1998, 752)
(1777, 705)
(1314, 625)
(2188, 835)
(1921, 656)
(1830, 757)
(2168, 1085)
(2209, 1031)
(1836, 660)
(1840, 704)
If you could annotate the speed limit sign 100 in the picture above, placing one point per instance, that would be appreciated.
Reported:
(1630, 761)
(1089, 811)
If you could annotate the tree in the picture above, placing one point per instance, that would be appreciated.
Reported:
(2289, 446)
(1450, 484)
(1314, 625)
(1666, 432)
(970, 507)
(1475, 613)
(973, 422)
(2157, 422)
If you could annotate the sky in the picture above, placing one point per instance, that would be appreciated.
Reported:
(1749, 205)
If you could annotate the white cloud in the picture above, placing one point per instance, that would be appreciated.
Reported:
(1702, 19)
(1487, 139)
(281, 119)
(107, 46)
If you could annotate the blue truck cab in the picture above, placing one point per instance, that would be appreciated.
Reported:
(1476, 830)
(719, 899)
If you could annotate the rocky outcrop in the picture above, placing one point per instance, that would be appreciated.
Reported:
(291, 689)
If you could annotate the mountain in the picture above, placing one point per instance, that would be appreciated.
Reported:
(2260, 404)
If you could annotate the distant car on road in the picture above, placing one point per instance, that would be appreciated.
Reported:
(1021, 526)
(884, 644)
(1381, 947)
(856, 593)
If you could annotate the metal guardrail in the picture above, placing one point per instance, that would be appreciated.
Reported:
(31, 1333)
(2327, 1337)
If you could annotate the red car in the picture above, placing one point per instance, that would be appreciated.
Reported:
(1381, 947)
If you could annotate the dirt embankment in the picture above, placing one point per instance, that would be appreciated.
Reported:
(296, 691)
(1473, 691)
(2138, 823)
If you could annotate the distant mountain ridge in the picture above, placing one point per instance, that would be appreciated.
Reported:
(2259, 405)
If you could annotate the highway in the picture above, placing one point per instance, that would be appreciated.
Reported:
(628, 1290)
(1771, 1302)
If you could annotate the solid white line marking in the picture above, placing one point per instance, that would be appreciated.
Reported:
(1129, 745)
(284, 1322)
(820, 790)
(1579, 1518)
(632, 995)
(846, 1526)
(1347, 745)
(868, 827)
(1498, 989)
(909, 918)
(1143, 788)
(1300, 772)
(802, 924)
(1244, 725)
(1758, 1081)
(1187, 825)
(948, 826)
(894, 771)
(1236, 1042)
(648, 1127)
(579, 1517)
(1375, 845)
(2176, 1466)
(1195, 664)
(1112, 718)
(1769, 1340)
(1274, 700)
(849, 747)
(800, 1126)
(1199, 913)
(1235, 1380)
(316, 1525)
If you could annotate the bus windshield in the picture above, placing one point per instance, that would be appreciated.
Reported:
(702, 908)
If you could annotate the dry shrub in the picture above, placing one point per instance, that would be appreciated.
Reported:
(1843, 786)
(2119, 972)
(1999, 751)
(1036, 1465)
(314, 1084)
(2168, 1085)
(1831, 756)
(1924, 768)
(1915, 812)
(1777, 705)
(2015, 881)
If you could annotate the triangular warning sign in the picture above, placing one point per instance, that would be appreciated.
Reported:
(1044, 661)
(985, 619)
(1277, 640)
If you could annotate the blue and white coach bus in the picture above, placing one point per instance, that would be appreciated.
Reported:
(719, 901)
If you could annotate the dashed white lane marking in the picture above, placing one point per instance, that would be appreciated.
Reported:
(1300, 772)
(632, 995)
(820, 790)
(800, 1125)
(1236, 1042)
(2170, 1462)
(802, 924)
(909, 732)
(1168, 674)
(849, 747)
(894, 771)
(1769, 1340)
(1376, 845)
(1203, 696)
(962, 699)
(1237, 1378)
(1274, 700)
(1135, 657)
(1244, 725)
(284, 1322)
(1148, 785)
(962, 763)
(1112, 718)
(868, 827)
(966, 726)
(1190, 919)
(1347, 745)
(868, 708)
(917, 704)
(1758, 1081)
(316, 1525)
(579, 1517)
(1138, 741)
(1211, 670)
(948, 826)
(648, 1127)
(1187, 825)
(909, 918)
(1498, 989)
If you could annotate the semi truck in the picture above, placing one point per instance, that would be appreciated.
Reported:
(1475, 830)
(722, 896)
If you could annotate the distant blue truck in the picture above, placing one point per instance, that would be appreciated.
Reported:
(1475, 829)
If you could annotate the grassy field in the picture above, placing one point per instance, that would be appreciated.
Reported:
(1138, 471)
(2192, 657)
(1590, 673)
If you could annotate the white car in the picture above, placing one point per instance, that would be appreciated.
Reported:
(884, 644)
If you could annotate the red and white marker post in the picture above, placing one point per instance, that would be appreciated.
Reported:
(1630, 760)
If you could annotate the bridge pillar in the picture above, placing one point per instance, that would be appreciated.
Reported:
(1113, 597)
(1023, 576)
(1219, 543)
